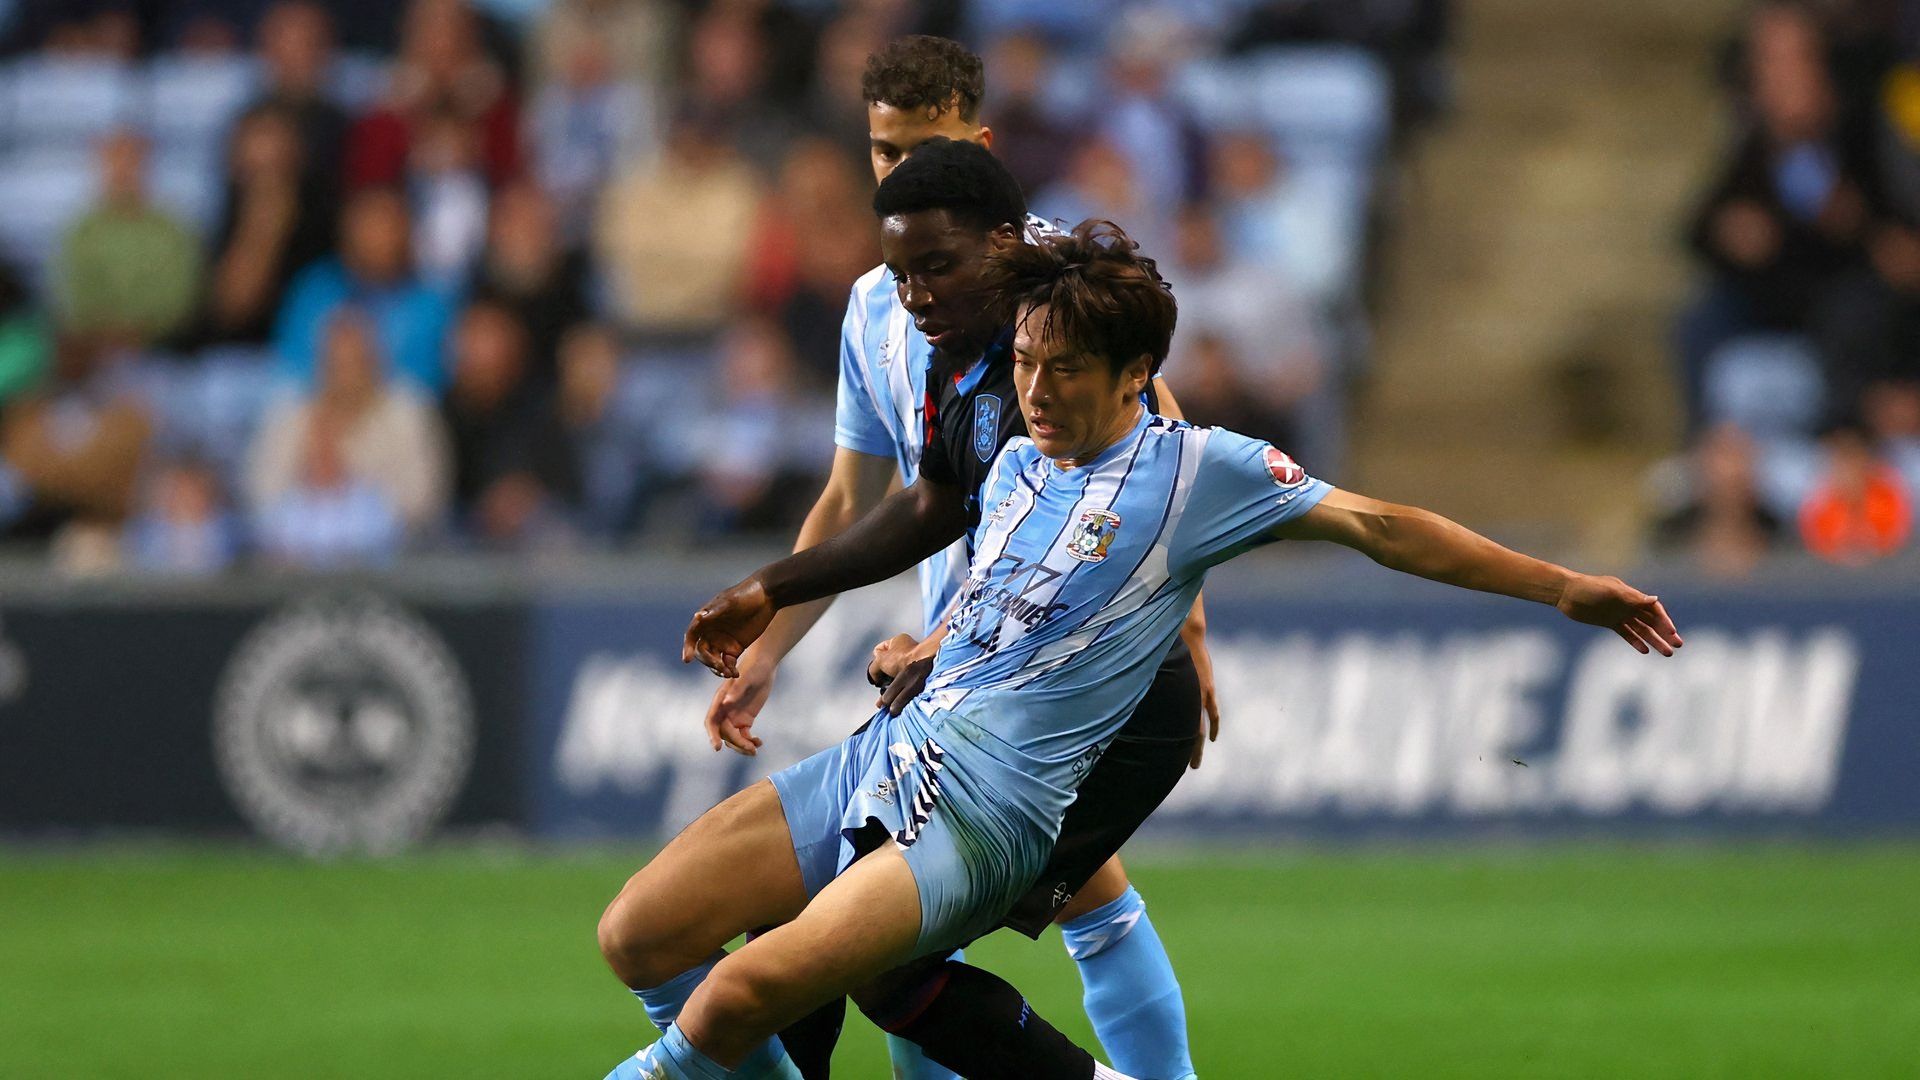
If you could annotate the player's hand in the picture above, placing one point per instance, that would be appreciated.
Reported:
(723, 629)
(736, 704)
(1639, 619)
(1209, 701)
(906, 685)
(889, 657)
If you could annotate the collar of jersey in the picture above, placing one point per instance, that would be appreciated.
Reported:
(970, 378)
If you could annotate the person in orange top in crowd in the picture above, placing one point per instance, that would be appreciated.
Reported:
(1860, 511)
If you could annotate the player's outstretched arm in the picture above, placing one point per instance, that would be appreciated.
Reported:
(857, 483)
(1420, 542)
(907, 527)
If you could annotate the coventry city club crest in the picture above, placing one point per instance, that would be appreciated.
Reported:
(986, 426)
(1091, 536)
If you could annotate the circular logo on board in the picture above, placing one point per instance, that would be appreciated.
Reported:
(343, 726)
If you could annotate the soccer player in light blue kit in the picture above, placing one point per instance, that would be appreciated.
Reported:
(923, 826)
(918, 88)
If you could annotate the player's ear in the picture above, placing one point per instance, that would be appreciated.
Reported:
(1003, 237)
(1136, 374)
(984, 136)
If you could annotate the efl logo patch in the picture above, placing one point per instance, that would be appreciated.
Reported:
(1093, 534)
(1283, 469)
(986, 426)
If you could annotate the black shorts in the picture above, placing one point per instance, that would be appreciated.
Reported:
(1127, 784)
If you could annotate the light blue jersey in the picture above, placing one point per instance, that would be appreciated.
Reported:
(1082, 577)
(1080, 581)
(881, 409)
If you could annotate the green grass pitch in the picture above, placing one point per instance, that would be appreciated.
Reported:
(1524, 961)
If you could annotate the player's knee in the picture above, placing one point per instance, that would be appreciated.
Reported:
(738, 991)
(635, 947)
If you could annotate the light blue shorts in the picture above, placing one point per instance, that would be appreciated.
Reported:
(975, 831)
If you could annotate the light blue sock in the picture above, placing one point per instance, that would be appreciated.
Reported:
(1132, 996)
(909, 1062)
(664, 1003)
(674, 1058)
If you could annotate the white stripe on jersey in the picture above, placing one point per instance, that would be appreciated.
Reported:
(1102, 492)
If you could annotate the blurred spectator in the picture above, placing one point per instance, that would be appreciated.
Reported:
(515, 473)
(814, 238)
(729, 67)
(108, 30)
(1269, 343)
(1860, 511)
(1891, 410)
(638, 35)
(330, 517)
(1160, 136)
(72, 448)
(295, 44)
(608, 445)
(1900, 140)
(449, 200)
(1723, 523)
(1275, 215)
(26, 341)
(384, 436)
(745, 475)
(837, 107)
(183, 526)
(1024, 136)
(672, 235)
(128, 272)
(1100, 183)
(275, 222)
(374, 271)
(1782, 227)
(526, 268)
(441, 70)
(587, 120)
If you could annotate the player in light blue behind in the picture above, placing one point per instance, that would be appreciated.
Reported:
(914, 833)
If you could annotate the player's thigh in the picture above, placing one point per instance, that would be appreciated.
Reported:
(729, 872)
(866, 922)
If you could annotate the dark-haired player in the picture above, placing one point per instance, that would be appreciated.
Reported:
(1105, 521)
(920, 88)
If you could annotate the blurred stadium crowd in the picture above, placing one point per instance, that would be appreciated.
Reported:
(319, 284)
(1800, 354)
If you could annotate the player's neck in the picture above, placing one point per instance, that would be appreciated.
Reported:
(1122, 427)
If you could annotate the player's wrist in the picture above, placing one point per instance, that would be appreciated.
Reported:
(1561, 586)
(768, 585)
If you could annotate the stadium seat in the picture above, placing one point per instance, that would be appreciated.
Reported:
(41, 191)
(1786, 470)
(191, 100)
(1323, 103)
(63, 102)
(187, 182)
(213, 404)
(1770, 385)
